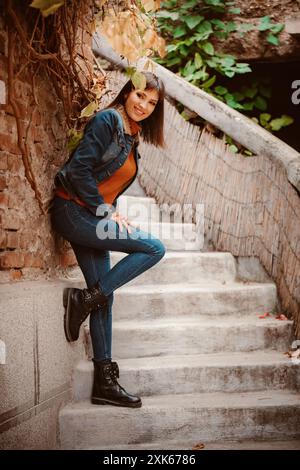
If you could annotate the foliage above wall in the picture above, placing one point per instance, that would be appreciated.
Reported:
(190, 28)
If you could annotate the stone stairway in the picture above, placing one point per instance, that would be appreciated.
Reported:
(188, 339)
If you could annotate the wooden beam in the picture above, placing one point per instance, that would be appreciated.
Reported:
(231, 122)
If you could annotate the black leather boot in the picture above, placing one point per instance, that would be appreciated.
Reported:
(107, 390)
(79, 303)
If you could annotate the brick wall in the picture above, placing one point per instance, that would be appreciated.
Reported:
(28, 247)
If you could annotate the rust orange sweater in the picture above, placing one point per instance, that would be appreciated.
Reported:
(111, 186)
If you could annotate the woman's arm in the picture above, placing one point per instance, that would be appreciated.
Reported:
(87, 156)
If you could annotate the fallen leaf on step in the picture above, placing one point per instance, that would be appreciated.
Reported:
(281, 317)
(293, 353)
(198, 446)
(264, 315)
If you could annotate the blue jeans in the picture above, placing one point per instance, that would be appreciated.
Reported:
(80, 227)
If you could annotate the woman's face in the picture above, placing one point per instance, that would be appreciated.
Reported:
(141, 103)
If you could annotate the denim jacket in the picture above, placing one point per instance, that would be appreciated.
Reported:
(103, 149)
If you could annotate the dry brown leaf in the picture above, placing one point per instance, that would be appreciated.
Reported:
(293, 353)
(198, 446)
(264, 315)
(281, 317)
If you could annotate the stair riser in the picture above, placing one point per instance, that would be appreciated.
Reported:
(192, 269)
(187, 339)
(194, 380)
(148, 424)
(145, 306)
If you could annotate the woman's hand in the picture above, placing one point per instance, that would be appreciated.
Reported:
(122, 221)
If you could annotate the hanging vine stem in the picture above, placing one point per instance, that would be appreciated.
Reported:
(49, 46)
(16, 109)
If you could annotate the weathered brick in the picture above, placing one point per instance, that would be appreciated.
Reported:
(14, 162)
(3, 161)
(33, 261)
(15, 274)
(8, 124)
(36, 118)
(12, 259)
(11, 220)
(3, 199)
(3, 182)
(25, 241)
(68, 259)
(3, 239)
(13, 239)
(22, 108)
(8, 142)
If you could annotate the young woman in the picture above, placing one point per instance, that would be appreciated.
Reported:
(103, 166)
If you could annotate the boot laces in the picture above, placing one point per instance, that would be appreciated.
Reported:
(114, 371)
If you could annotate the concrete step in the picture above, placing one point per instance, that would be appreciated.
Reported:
(139, 208)
(196, 335)
(271, 414)
(143, 209)
(206, 299)
(174, 236)
(227, 372)
(177, 266)
(239, 444)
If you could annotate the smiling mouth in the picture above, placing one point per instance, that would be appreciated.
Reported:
(137, 111)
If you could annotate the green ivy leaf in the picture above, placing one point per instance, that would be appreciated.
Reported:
(264, 118)
(219, 24)
(179, 31)
(172, 15)
(264, 23)
(74, 139)
(220, 90)
(209, 82)
(251, 92)
(205, 28)
(229, 73)
(276, 28)
(139, 80)
(208, 48)
(283, 121)
(248, 106)
(190, 4)
(198, 60)
(173, 61)
(221, 35)
(233, 148)
(47, 7)
(272, 39)
(184, 50)
(192, 21)
(234, 11)
(89, 109)
(238, 96)
(260, 103)
(231, 26)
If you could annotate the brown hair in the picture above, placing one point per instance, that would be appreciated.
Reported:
(152, 127)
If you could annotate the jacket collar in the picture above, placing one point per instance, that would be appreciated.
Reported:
(131, 127)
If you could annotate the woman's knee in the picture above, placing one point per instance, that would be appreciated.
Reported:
(159, 249)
